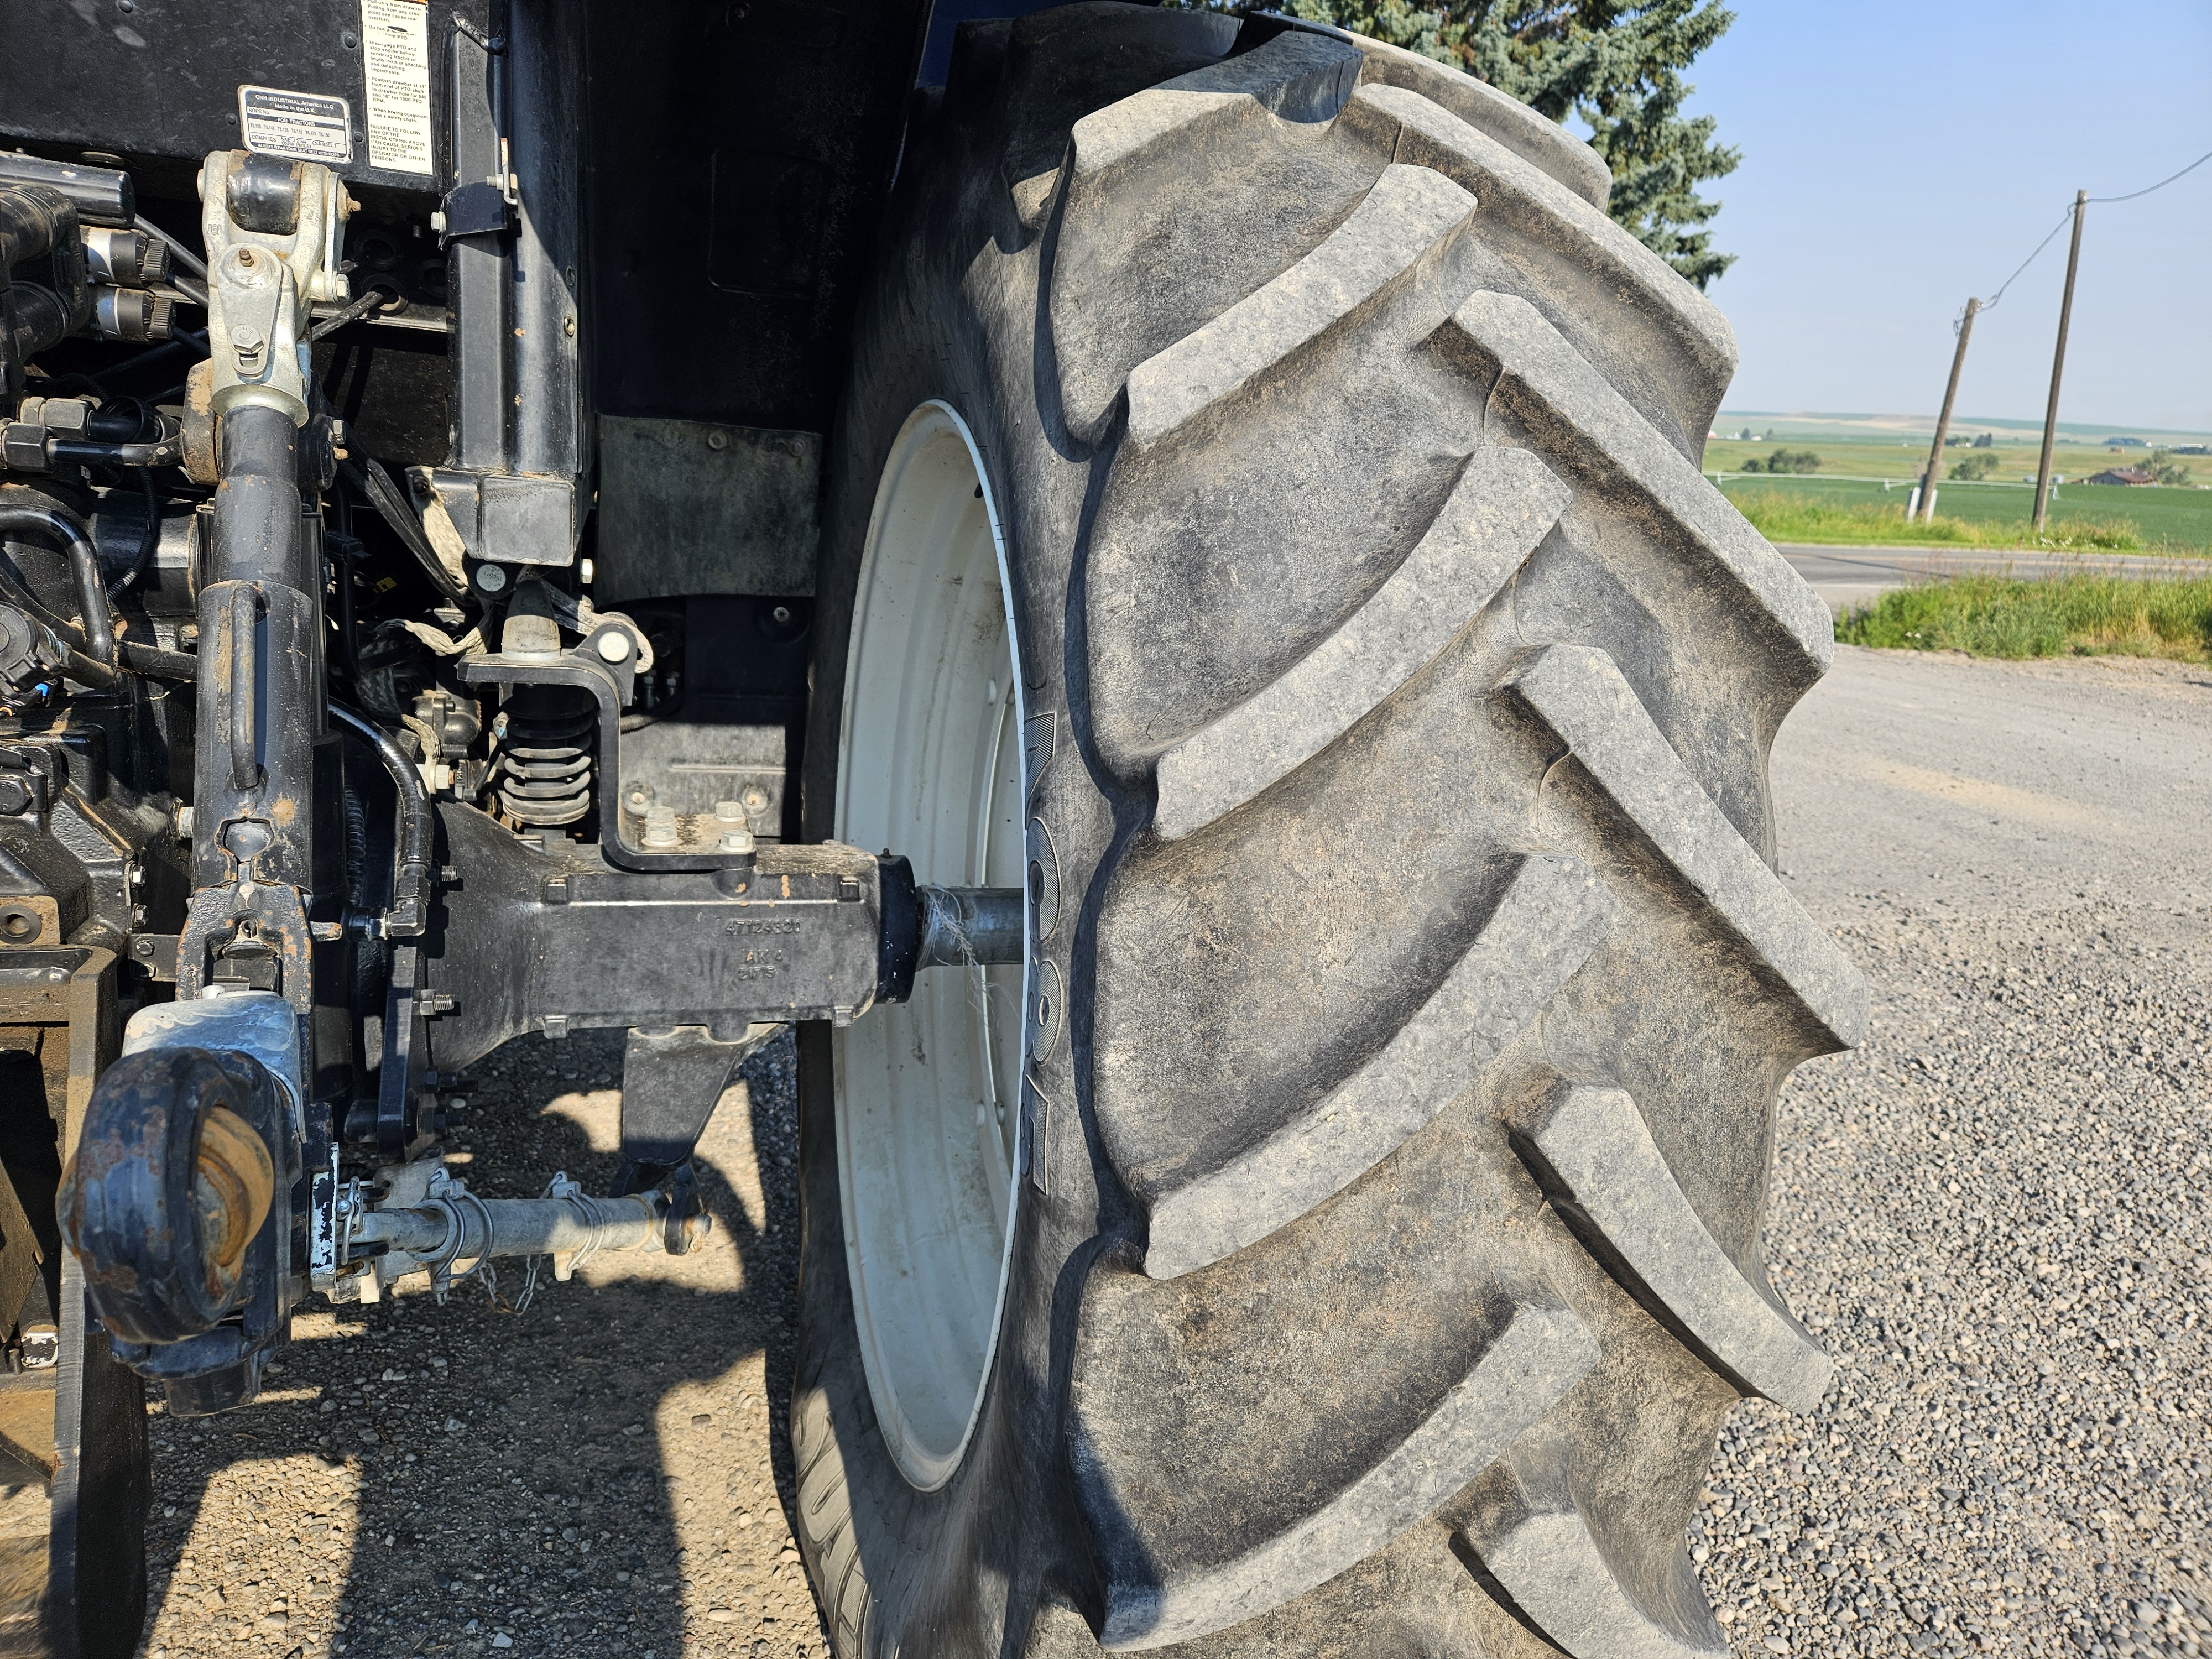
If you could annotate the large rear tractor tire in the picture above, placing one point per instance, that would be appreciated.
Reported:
(1265, 522)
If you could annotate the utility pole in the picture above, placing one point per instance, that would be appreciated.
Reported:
(1943, 420)
(2058, 366)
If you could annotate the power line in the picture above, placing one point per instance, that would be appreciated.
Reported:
(2028, 261)
(2063, 222)
(2161, 184)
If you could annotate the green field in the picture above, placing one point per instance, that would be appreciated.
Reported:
(1846, 500)
(1845, 511)
(1901, 461)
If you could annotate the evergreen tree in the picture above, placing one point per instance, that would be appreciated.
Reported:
(1617, 63)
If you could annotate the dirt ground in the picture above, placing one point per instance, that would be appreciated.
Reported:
(602, 1473)
(1994, 1213)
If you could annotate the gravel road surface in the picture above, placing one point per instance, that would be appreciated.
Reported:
(1994, 1212)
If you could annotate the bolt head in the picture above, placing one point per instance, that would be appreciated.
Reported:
(729, 812)
(490, 579)
(614, 645)
(737, 840)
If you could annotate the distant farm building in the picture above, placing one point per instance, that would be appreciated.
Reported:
(2121, 475)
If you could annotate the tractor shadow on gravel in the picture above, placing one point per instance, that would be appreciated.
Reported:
(604, 1473)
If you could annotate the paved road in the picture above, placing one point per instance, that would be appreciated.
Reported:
(1849, 576)
(1992, 1213)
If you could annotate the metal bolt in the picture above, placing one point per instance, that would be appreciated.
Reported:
(614, 645)
(184, 824)
(638, 796)
(144, 947)
(737, 840)
(490, 578)
(729, 812)
(660, 827)
(718, 441)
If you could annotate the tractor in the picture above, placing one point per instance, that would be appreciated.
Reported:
(1136, 576)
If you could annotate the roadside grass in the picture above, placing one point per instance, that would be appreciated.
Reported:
(2077, 614)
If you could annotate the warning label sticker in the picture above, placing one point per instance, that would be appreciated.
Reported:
(306, 126)
(395, 51)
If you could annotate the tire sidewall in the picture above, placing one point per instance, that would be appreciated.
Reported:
(952, 318)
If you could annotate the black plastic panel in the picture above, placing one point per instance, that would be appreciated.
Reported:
(740, 158)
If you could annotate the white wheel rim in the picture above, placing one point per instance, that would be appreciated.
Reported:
(928, 1093)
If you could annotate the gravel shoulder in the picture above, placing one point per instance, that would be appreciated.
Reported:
(1993, 1211)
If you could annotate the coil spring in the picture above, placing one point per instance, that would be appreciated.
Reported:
(545, 760)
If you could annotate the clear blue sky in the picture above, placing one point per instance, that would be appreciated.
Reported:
(1898, 157)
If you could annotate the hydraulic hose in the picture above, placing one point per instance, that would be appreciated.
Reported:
(150, 660)
(167, 453)
(84, 567)
(418, 829)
